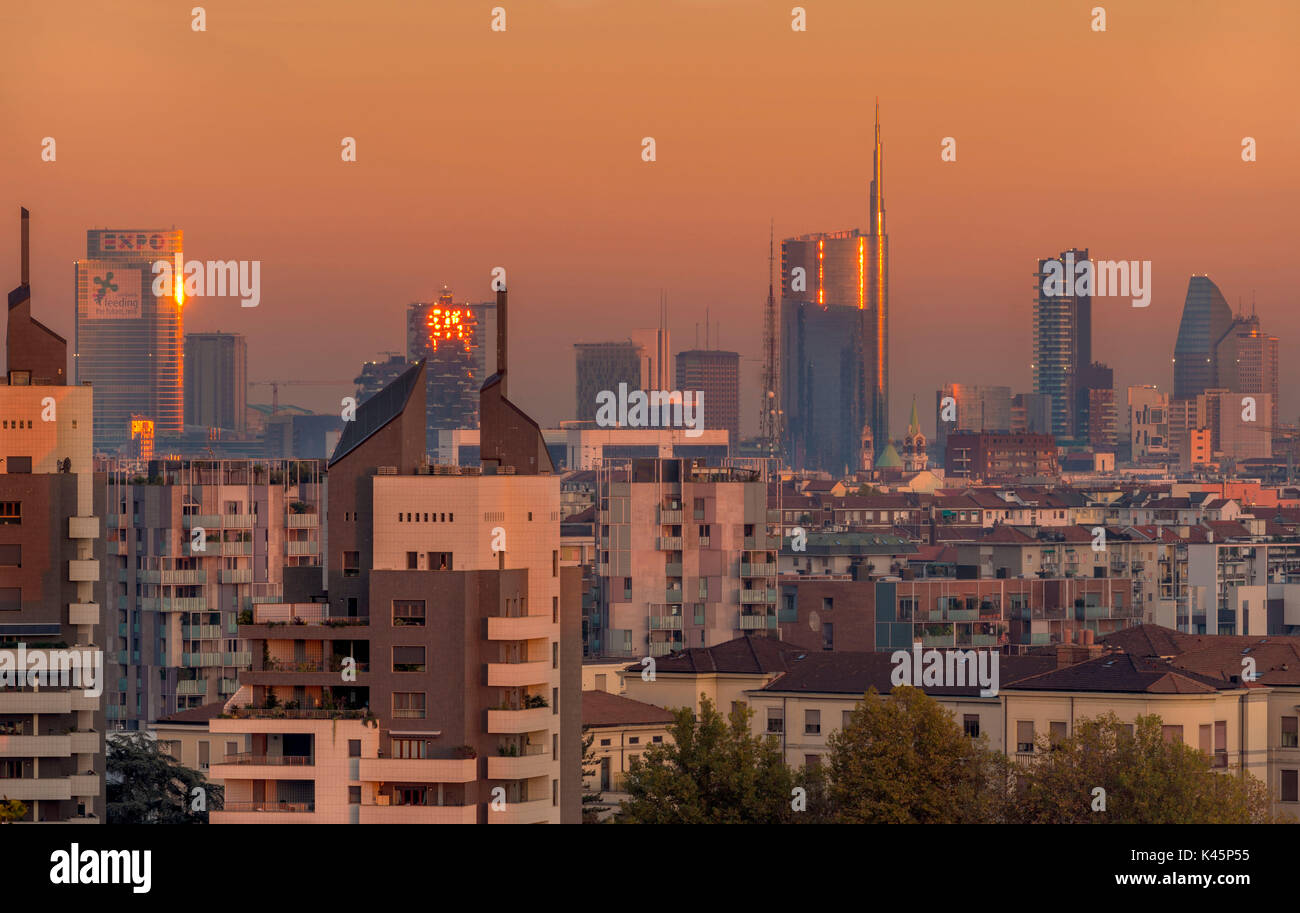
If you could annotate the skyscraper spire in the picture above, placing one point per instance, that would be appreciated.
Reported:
(877, 181)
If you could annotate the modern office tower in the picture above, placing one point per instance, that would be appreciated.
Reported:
(1206, 320)
(51, 730)
(975, 407)
(1031, 412)
(1062, 342)
(603, 366)
(991, 456)
(129, 341)
(192, 544)
(454, 340)
(717, 375)
(216, 380)
(1148, 420)
(1239, 430)
(685, 559)
(447, 599)
(826, 418)
(377, 375)
(1247, 361)
(833, 273)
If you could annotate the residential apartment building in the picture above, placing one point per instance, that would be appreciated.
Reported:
(684, 560)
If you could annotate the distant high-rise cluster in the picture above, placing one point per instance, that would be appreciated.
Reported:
(716, 374)
(216, 380)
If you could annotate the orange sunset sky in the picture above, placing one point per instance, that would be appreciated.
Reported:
(522, 149)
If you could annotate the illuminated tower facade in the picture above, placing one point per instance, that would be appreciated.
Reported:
(834, 349)
(450, 336)
(129, 342)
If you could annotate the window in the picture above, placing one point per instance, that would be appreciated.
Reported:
(1290, 786)
(812, 722)
(11, 556)
(11, 513)
(604, 743)
(555, 613)
(354, 795)
(812, 760)
(634, 740)
(846, 717)
(408, 659)
(408, 705)
(205, 754)
(828, 603)
(441, 561)
(555, 563)
(657, 739)
(410, 748)
(970, 724)
(1221, 743)
(412, 561)
(351, 564)
(1025, 736)
(408, 612)
(775, 720)
(828, 636)
(1290, 732)
(1056, 732)
(555, 700)
(555, 656)
(1172, 734)
(354, 748)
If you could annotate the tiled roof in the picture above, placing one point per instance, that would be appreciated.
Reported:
(600, 708)
(195, 714)
(855, 672)
(742, 656)
(378, 411)
(1118, 672)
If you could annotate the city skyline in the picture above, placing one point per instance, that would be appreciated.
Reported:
(965, 231)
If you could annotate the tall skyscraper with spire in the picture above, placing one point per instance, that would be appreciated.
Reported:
(834, 349)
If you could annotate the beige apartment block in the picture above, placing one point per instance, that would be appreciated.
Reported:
(621, 730)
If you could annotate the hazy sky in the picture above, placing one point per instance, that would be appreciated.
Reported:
(523, 149)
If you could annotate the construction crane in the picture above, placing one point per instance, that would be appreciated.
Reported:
(275, 386)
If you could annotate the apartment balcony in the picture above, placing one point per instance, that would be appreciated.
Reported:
(534, 812)
(665, 622)
(302, 548)
(512, 675)
(524, 627)
(174, 577)
(29, 788)
(85, 742)
(755, 622)
(503, 767)
(83, 570)
(1099, 611)
(419, 770)
(962, 614)
(516, 722)
(35, 702)
(197, 687)
(673, 569)
(669, 544)
(757, 570)
(419, 814)
(36, 746)
(754, 543)
(265, 813)
(83, 701)
(670, 517)
(180, 604)
(201, 632)
(218, 521)
(83, 527)
(200, 660)
(763, 596)
(663, 647)
(237, 575)
(83, 613)
(673, 597)
(301, 521)
(249, 766)
(118, 548)
(243, 658)
(84, 785)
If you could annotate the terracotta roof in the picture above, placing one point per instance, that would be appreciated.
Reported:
(1277, 657)
(600, 708)
(742, 656)
(196, 714)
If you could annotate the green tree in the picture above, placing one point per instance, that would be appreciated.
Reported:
(11, 810)
(1147, 780)
(713, 771)
(902, 759)
(149, 786)
(592, 802)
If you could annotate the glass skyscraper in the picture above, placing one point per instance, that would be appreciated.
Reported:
(1207, 319)
(129, 342)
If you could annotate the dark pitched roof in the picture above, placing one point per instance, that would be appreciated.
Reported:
(1123, 673)
(855, 672)
(196, 715)
(1220, 656)
(378, 411)
(742, 656)
(600, 708)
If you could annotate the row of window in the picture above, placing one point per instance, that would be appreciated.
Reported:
(446, 518)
